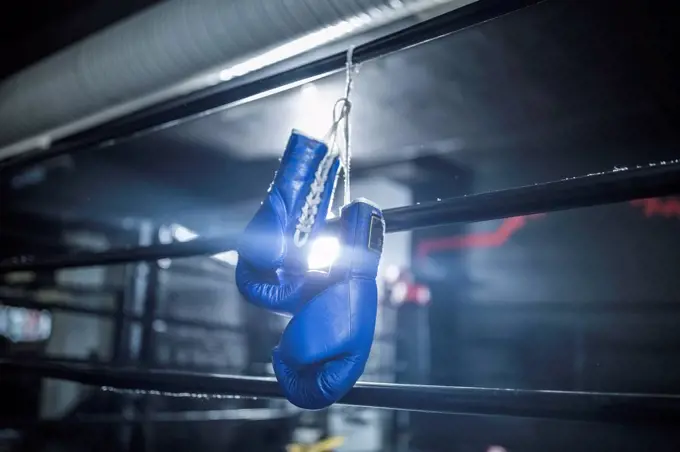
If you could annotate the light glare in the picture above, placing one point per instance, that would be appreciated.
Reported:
(228, 257)
(290, 49)
(392, 274)
(324, 251)
(183, 234)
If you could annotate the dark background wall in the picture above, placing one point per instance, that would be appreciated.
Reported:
(598, 285)
(34, 29)
(578, 300)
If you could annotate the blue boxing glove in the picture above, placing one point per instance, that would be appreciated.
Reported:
(274, 247)
(324, 348)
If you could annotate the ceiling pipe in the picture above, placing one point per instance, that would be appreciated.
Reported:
(173, 49)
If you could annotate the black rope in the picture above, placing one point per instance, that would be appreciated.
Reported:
(192, 106)
(620, 408)
(653, 180)
(74, 308)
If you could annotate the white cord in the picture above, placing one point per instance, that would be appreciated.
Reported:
(310, 209)
(351, 70)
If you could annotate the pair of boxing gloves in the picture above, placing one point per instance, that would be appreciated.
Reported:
(325, 346)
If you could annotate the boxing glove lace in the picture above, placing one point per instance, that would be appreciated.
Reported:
(275, 244)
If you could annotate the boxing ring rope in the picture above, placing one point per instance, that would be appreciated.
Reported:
(61, 306)
(210, 100)
(235, 414)
(608, 187)
(556, 405)
(620, 185)
(196, 247)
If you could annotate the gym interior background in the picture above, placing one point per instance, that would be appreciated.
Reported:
(581, 300)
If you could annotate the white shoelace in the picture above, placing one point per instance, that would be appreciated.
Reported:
(310, 209)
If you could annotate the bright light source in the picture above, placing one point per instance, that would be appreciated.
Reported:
(375, 17)
(392, 274)
(228, 257)
(324, 251)
(293, 48)
(399, 293)
(183, 234)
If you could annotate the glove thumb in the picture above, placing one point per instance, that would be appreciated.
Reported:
(316, 387)
(320, 356)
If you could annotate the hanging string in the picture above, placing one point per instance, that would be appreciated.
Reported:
(349, 81)
(341, 111)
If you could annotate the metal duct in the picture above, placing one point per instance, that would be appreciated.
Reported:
(172, 49)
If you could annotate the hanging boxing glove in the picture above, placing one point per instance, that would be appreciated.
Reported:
(324, 348)
(274, 248)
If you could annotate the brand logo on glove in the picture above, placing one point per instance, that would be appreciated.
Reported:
(376, 235)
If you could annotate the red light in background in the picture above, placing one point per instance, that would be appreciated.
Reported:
(490, 239)
(663, 207)
(422, 295)
(406, 290)
(651, 207)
